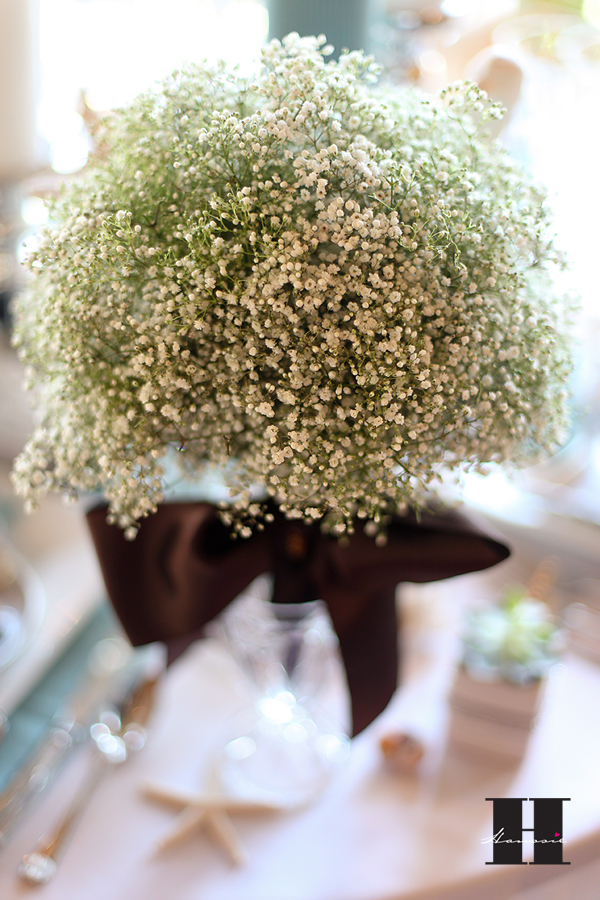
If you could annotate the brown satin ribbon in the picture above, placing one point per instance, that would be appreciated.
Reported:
(183, 569)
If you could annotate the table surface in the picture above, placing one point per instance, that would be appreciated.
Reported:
(371, 835)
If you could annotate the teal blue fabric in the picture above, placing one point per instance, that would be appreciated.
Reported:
(31, 720)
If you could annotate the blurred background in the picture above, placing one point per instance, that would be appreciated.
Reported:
(64, 62)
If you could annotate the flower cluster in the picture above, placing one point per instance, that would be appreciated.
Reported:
(517, 639)
(325, 288)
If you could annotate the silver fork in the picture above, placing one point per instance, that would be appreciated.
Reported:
(39, 865)
(107, 659)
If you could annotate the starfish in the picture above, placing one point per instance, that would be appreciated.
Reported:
(207, 810)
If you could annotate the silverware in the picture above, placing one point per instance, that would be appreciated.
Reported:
(40, 865)
(64, 733)
(32, 779)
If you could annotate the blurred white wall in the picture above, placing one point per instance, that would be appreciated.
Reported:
(18, 89)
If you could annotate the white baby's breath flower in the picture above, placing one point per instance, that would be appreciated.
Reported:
(334, 291)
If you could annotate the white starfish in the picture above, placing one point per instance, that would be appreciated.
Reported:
(208, 810)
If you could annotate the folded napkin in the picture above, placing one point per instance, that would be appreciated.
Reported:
(184, 567)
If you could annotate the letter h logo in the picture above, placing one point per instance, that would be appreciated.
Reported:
(547, 831)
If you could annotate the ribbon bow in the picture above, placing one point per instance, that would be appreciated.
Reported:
(184, 568)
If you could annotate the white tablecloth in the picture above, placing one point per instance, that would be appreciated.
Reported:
(372, 835)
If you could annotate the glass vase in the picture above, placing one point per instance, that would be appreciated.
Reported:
(286, 745)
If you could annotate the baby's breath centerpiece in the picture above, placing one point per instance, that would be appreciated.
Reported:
(324, 288)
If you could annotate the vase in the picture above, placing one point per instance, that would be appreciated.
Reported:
(287, 743)
(492, 719)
